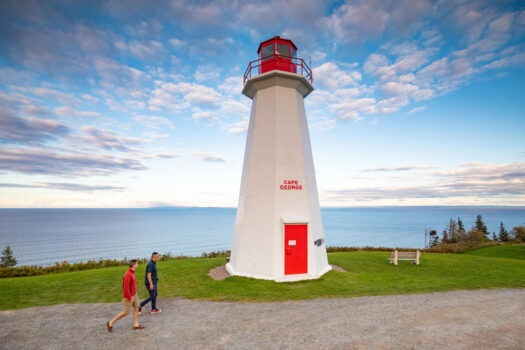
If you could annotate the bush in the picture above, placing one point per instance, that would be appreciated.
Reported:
(518, 233)
(459, 247)
(24, 271)
(216, 254)
(64, 266)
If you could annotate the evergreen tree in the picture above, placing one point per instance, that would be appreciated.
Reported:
(7, 259)
(461, 228)
(503, 233)
(480, 225)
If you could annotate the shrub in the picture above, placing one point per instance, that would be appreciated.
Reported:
(216, 254)
(518, 233)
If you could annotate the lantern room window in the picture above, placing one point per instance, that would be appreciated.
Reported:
(282, 50)
(267, 52)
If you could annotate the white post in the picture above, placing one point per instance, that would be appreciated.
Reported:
(395, 257)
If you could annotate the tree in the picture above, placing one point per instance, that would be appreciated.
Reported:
(453, 232)
(462, 234)
(7, 259)
(434, 238)
(480, 225)
(461, 228)
(445, 238)
(503, 234)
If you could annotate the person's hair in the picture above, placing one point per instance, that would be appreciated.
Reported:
(153, 254)
(132, 262)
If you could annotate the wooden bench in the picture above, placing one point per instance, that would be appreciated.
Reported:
(413, 256)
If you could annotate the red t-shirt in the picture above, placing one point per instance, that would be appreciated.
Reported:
(129, 285)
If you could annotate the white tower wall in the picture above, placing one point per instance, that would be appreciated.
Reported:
(277, 150)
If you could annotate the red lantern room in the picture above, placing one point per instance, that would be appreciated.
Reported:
(277, 53)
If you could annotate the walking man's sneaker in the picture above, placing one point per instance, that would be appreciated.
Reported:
(140, 311)
(156, 311)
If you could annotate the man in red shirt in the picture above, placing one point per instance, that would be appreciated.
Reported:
(129, 297)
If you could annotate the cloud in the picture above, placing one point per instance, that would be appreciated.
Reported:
(11, 185)
(59, 96)
(161, 155)
(63, 163)
(472, 180)
(209, 157)
(154, 122)
(330, 76)
(354, 108)
(117, 75)
(108, 140)
(322, 124)
(29, 131)
(144, 50)
(69, 112)
(179, 96)
(416, 110)
(177, 43)
(79, 187)
(398, 168)
(65, 186)
(357, 21)
(480, 173)
(237, 128)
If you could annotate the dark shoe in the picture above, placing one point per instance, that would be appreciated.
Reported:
(156, 311)
(110, 328)
(138, 327)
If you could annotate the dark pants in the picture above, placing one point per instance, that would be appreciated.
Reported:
(152, 297)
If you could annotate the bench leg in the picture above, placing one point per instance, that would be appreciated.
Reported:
(395, 257)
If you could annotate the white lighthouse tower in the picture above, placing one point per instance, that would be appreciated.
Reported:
(278, 229)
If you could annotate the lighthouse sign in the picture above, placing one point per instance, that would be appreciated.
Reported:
(291, 185)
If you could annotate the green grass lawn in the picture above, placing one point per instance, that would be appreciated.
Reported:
(515, 251)
(368, 273)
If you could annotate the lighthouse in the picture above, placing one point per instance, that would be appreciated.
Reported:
(278, 233)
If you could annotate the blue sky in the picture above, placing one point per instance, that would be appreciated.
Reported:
(138, 103)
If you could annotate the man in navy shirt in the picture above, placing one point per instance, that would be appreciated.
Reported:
(151, 283)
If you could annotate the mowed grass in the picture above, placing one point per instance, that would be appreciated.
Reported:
(368, 273)
(516, 251)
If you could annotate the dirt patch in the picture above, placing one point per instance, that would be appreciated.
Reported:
(337, 268)
(219, 273)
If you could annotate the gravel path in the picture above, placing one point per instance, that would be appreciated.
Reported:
(479, 319)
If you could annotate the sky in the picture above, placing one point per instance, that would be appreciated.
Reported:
(138, 103)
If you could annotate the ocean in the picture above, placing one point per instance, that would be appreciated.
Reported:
(45, 236)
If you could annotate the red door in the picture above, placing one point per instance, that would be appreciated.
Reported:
(295, 249)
